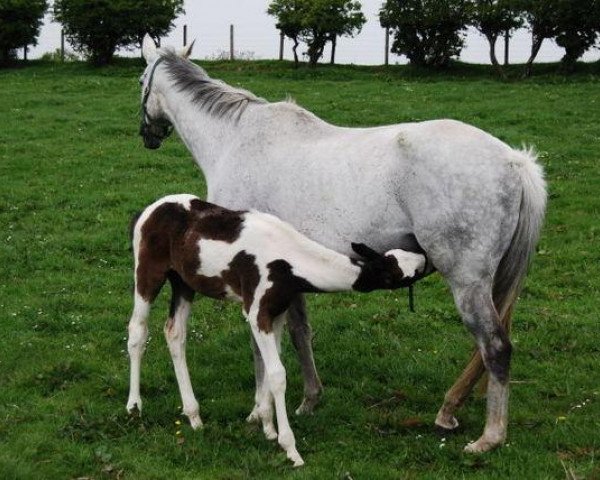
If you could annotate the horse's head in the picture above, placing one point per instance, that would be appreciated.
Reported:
(394, 269)
(155, 125)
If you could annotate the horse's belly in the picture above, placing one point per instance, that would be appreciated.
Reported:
(334, 219)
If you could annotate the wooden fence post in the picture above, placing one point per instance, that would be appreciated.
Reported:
(184, 35)
(387, 46)
(62, 45)
(281, 38)
(231, 51)
(506, 40)
(25, 53)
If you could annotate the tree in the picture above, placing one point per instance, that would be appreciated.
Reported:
(494, 18)
(328, 19)
(428, 32)
(20, 22)
(317, 22)
(573, 23)
(577, 29)
(98, 27)
(289, 16)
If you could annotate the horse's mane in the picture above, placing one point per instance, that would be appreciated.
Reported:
(213, 96)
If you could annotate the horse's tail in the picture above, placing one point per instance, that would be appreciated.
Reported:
(513, 266)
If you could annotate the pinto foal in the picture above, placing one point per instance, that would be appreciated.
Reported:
(251, 257)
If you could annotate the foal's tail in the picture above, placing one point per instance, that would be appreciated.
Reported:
(512, 269)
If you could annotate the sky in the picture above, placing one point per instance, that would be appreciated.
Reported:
(255, 35)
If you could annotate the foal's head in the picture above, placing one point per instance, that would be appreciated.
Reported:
(155, 125)
(394, 269)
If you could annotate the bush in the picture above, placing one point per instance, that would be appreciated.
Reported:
(20, 22)
(97, 28)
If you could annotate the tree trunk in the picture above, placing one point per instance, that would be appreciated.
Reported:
(4, 57)
(492, 38)
(333, 44)
(315, 49)
(535, 48)
(295, 52)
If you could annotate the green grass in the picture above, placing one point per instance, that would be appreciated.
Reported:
(73, 170)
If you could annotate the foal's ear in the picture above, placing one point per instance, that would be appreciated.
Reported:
(185, 52)
(365, 252)
(149, 50)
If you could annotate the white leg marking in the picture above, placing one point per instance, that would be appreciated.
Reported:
(259, 375)
(494, 433)
(136, 343)
(175, 334)
(275, 377)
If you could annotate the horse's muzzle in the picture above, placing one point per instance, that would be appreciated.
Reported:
(152, 142)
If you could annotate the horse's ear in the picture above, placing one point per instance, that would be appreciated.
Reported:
(365, 252)
(149, 49)
(185, 52)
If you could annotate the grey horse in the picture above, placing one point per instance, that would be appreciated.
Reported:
(473, 204)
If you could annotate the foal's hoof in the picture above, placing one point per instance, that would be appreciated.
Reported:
(134, 409)
(484, 444)
(254, 417)
(296, 458)
(196, 422)
(270, 432)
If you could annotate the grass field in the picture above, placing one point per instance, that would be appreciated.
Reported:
(73, 170)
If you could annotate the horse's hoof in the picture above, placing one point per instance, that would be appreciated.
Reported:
(446, 423)
(307, 406)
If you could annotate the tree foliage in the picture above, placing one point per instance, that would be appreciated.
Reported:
(427, 32)
(98, 27)
(20, 22)
(574, 24)
(315, 22)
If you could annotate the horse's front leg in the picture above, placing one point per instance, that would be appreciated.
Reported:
(301, 335)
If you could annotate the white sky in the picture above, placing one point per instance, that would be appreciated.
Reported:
(208, 21)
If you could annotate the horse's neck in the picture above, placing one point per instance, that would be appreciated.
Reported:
(205, 135)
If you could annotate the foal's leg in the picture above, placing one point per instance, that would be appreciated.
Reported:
(175, 334)
(275, 377)
(259, 378)
(263, 399)
(301, 335)
(136, 343)
(479, 315)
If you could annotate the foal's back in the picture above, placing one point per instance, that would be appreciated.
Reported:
(166, 241)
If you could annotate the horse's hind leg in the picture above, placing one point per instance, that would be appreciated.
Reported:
(175, 334)
(301, 335)
(458, 393)
(477, 309)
